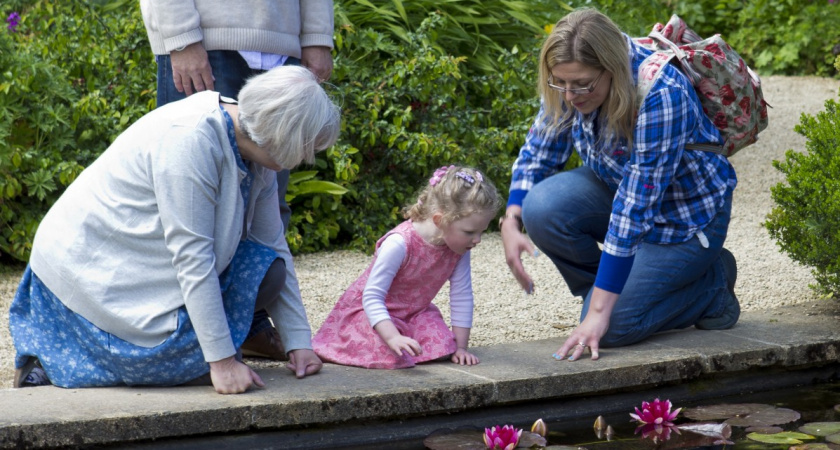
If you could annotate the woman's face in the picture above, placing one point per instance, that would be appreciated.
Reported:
(261, 156)
(574, 76)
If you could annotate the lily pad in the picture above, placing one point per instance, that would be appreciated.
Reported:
(814, 446)
(765, 417)
(455, 440)
(837, 407)
(821, 428)
(723, 411)
(764, 430)
(833, 438)
(786, 437)
(720, 431)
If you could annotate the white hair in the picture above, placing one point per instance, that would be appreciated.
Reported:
(286, 112)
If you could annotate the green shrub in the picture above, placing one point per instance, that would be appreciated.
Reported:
(75, 75)
(408, 109)
(806, 219)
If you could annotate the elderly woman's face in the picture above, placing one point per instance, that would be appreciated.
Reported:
(585, 87)
(261, 156)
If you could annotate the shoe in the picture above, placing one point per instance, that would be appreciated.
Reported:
(266, 344)
(31, 374)
(732, 310)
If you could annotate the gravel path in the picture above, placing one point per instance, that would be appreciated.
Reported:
(766, 277)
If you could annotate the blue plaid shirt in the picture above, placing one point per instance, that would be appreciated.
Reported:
(663, 193)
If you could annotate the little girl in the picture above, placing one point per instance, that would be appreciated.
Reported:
(386, 319)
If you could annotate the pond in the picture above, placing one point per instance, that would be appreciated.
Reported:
(814, 403)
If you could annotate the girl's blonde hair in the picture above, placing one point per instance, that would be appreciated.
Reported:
(588, 37)
(456, 192)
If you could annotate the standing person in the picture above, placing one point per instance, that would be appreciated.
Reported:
(210, 45)
(386, 318)
(147, 270)
(638, 230)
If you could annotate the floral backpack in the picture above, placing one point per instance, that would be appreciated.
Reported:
(729, 91)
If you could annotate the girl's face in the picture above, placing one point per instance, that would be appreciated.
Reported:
(464, 234)
(577, 76)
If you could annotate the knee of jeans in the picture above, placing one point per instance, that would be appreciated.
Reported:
(621, 338)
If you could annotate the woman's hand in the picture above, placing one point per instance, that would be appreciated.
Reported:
(594, 326)
(303, 362)
(230, 376)
(515, 243)
(464, 358)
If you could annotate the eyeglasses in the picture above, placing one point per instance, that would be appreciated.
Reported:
(576, 91)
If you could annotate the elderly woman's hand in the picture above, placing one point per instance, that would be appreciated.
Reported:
(304, 362)
(230, 376)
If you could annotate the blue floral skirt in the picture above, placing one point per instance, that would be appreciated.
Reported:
(75, 353)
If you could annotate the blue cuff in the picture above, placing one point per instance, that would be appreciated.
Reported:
(516, 196)
(613, 272)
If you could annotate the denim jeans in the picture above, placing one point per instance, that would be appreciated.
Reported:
(230, 71)
(670, 286)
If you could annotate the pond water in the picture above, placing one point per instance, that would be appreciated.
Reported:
(815, 403)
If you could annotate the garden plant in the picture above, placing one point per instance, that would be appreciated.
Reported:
(421, 84)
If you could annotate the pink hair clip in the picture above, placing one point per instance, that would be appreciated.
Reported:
(438, 175)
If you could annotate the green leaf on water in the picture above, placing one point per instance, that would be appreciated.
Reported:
(786, 437)
(833, 438)
(821, 428)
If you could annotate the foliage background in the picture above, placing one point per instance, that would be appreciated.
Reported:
(421, 84)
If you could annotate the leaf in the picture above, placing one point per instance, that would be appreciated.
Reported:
(319, 187)
(464, 439)
(718, 430)
(778, 438)
(821, 428)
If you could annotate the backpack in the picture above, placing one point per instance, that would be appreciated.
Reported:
(729, 91)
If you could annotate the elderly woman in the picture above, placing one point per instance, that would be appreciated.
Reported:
(149, 267)
(638, 230)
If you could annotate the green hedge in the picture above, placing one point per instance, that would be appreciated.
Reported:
(421, 84)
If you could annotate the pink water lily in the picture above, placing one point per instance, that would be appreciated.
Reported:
(656, 432)
(656, 412)
(502, 437)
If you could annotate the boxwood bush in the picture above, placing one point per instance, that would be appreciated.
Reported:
(806, 219)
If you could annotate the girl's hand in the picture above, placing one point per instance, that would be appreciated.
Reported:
(464, 358)
(230, 376)
(303, 362)
(400, 343)
(515, 243)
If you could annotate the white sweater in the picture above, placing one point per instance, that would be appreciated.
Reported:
(150, 225)
(281, 27)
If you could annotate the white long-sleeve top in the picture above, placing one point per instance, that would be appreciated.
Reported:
(390, 256)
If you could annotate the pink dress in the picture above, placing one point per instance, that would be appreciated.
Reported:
(346, 336)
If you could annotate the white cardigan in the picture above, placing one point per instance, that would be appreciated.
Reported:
(150, 225)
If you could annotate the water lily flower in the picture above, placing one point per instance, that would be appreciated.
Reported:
(13, 20)
(656, 412)
(539, 427)
(656, 432)
(502, 437)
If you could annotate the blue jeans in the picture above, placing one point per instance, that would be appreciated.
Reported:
(230, 72)
(670, 286)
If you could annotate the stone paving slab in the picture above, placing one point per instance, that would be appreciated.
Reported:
(511, 374)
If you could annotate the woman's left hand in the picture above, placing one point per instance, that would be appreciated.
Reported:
(230, 376)
(588, 334)
(304, 362)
